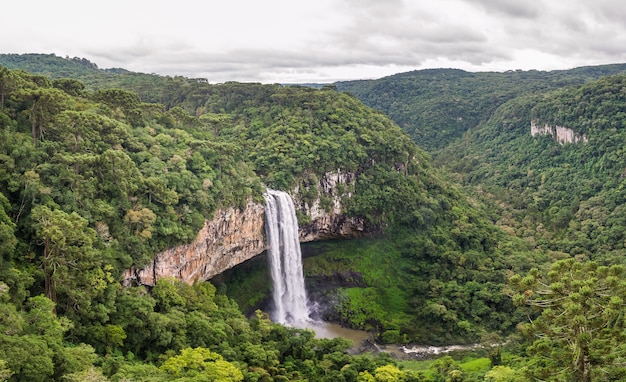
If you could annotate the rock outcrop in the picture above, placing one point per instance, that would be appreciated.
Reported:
(230, 238)
(233, 235)
(561, 134)
(330, 222)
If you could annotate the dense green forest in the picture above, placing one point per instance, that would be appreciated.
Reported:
(96, 180)
(566, 200)
(436, 106)
(101, 169)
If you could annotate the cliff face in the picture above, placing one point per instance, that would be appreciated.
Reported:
(561, 134)
(234, 236)
(231, 237)
(330, 222)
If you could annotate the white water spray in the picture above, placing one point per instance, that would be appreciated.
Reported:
(281, 227)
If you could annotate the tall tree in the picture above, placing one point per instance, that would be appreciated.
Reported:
(201, 365)
(5, 75)
(69, 259)
(580, 328)
(69, 85)
(44, 104)
(7, 229)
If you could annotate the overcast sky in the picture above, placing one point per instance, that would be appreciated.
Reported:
(295, 41)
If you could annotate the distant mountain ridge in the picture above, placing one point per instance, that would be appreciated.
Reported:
(436, 106)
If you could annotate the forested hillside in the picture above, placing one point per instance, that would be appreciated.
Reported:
(563, 197)
(543, 150)
(567, 200)
(435, 107)
(93, 181)
(101, 169)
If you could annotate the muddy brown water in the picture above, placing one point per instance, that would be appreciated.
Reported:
(325, 329)
(364, 342)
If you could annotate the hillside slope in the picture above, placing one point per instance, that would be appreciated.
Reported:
(128, 178)
(436, 106)
(564, 197)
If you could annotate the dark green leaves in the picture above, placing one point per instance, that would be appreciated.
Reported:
(580, 315)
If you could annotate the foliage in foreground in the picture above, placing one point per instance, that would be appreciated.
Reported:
(579, 333)
(177, 332)
(93, 181)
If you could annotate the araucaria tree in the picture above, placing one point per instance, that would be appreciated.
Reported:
(70, 262)
(579, 331)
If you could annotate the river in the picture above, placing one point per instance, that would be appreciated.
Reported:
(363, 342)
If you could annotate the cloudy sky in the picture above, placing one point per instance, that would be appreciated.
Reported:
(295, 41)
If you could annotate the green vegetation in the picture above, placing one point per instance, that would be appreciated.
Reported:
(101, 169)
(437, 106)
(581, 322)
(565, 200)
(94, 181)
(459, 300)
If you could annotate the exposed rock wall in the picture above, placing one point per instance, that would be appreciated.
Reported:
(233, 236)
(331, 222)
(230, 238)
(561, 134)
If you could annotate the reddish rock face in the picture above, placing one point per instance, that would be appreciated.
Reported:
(234, 236)
(231, 237)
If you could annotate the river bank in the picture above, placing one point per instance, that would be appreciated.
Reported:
(364, 343)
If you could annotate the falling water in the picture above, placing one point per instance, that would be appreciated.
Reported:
(281, 227)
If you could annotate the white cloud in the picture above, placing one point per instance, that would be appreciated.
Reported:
(325, 40)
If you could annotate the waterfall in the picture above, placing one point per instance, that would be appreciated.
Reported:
(285, 257)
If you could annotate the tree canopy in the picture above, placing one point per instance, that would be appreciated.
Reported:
(101, 169)
(94, 181)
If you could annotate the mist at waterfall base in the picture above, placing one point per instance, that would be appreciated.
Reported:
(290, 304)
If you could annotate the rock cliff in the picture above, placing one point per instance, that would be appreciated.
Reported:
(561, 134)
(230, 238)
(328, 222)
(233, 236)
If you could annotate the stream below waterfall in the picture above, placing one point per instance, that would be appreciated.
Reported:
(363, 342)
(289, 295)
(325, 329)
